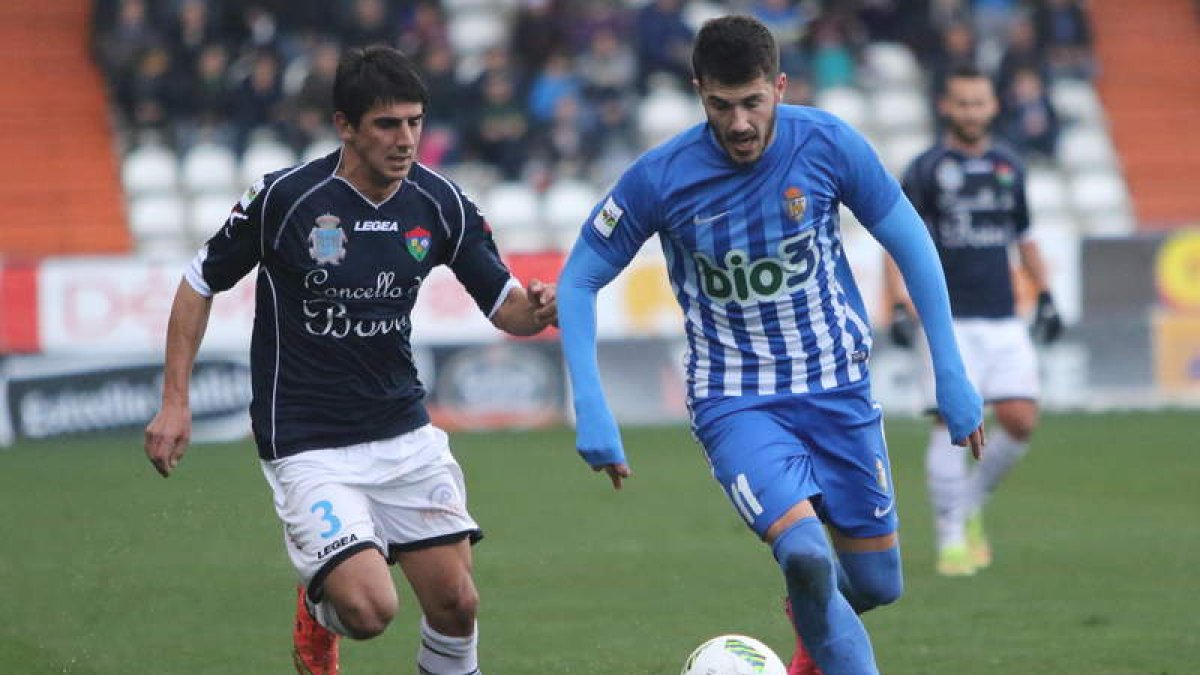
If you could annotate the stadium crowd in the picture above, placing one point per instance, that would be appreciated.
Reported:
(556, 95)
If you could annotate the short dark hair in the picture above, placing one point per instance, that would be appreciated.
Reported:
(368, 76)
(734, 50)
(965, 70)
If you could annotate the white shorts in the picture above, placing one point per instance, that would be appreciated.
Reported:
(394, 495)
(1000, 359)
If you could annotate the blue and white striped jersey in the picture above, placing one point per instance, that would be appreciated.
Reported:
(754, 252)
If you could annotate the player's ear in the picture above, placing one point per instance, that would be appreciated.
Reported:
(342, 125)
(781, 81)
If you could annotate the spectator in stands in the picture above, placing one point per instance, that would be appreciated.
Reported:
(1065, 37)
(368, 23)
(498, 59)
(190, 31)
(441, 138)
(537, 32)
(608, 67)
(499, 127)
(120, 47)
(1021, 52)
(565, 146)
(556, 80)
(833, 62)
(664, 43)
(312, 105)
(957, 47)
(208, 100)
(1029, 121)
(257, 103)
(153, 93)
(424, 30)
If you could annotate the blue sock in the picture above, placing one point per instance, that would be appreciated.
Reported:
(832, 631)
(870, 579)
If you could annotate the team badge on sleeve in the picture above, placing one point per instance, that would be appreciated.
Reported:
(418, 242)
(608, 217)
(249, 195)
(327, 241)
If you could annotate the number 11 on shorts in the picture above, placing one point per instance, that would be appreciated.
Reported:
(743, 498)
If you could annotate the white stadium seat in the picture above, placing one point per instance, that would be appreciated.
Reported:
(319, 147)
(1045, 191)
(149, 168)
(664, 113)
(1076, 101)
(566, 205)
(472, 32)
(264, 157)
(208, 214)
(158, 216)
(892, 63)
(899, 150)
(1086, 148)
(209, 167)
(1099, 193)
(511, 208)
(900, 109)
(846, 103)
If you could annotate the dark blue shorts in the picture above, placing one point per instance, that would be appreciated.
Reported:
(769, 453)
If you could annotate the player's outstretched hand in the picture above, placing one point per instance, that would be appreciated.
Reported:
(167, 438)
(598, 442)
(902, 328)
(545, 302)
(962, 409)
(1047, 323)
(617, 473)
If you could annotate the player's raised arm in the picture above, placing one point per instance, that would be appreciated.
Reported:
(902, 233)
(168, 433)
(597, 437)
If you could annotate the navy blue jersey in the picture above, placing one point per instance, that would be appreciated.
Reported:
(754, 252)
(975, 209)
(337, 279)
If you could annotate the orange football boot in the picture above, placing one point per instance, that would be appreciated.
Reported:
(314, 647)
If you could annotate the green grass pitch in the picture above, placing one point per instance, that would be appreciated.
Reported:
(107, 568)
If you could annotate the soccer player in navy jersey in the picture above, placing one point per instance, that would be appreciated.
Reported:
(746, 209)
(360, 476)
(970, 191)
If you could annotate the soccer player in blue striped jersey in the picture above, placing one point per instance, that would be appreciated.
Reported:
(360, 477)
(746, 209)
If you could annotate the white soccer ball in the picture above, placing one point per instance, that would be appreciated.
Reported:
(733, 655)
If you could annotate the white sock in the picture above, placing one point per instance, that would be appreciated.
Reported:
(445, 655)
(1001, 455)
(946, 477)
(327, 616)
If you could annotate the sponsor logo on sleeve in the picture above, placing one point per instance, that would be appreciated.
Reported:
(608, 217)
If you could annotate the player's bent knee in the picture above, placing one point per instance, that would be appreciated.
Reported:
(875, 577)
(804, 557)
(366, 617)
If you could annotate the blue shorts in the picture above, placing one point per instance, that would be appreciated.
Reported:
(769, 453)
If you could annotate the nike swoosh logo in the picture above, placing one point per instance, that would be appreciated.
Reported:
(879, 513)
(701, 221)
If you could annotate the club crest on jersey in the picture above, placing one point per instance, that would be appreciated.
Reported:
(796, 203)
(949, 175)
(881, 475)
(418, 242)
(327, 241)
(1004, 174)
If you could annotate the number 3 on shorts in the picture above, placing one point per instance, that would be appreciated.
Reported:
(743, 498)
(326, 510)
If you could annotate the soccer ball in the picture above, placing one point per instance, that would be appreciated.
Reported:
(733, 655)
